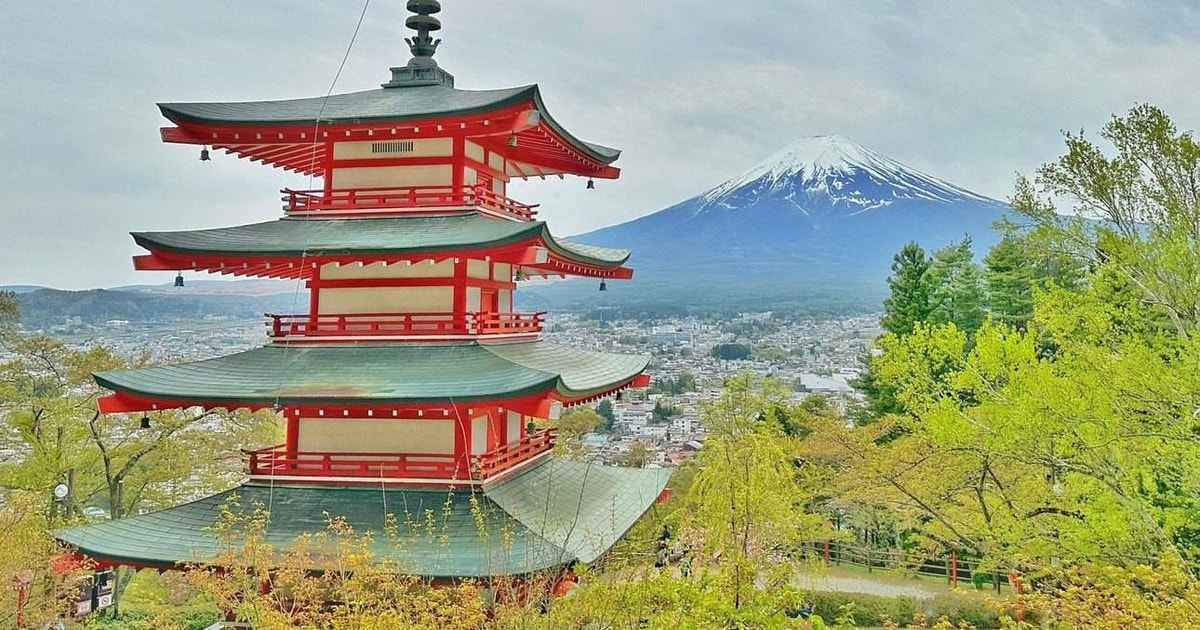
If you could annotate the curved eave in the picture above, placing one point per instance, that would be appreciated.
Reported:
(182, 535)
(263, 130)
(598, 152)
(342, 374)
(275, 248)
(546, 516)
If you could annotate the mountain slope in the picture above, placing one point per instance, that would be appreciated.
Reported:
(816, 223)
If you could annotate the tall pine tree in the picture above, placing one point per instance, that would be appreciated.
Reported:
(911, 291)
(958, 287)
(1010, 273)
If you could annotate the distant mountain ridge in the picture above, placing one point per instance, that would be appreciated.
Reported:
(815, 224)
(43, 307)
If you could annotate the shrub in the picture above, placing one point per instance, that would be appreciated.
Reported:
(959, 608)
(869, 610)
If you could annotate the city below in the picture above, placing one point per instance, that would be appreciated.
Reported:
(811, 356)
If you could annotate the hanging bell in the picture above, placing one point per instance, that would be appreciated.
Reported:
(179, 279)
(603, 287)
(591, 185)
(204, 157)
(512, 140)
(519, 275)
(145, 421)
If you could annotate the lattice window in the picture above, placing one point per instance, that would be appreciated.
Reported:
(395, 146)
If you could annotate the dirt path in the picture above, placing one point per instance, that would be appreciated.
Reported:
(840, 580)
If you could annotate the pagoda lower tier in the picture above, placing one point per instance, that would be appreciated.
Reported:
(548, 516)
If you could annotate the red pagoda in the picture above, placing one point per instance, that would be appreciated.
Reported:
(409, 383)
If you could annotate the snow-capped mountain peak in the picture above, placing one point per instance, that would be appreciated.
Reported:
(819, 220)
(839, 168)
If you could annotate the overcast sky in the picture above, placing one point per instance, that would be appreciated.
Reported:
(693, 91)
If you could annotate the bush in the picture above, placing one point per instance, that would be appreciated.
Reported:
(875, 610)
(869, 610)
(959, 608)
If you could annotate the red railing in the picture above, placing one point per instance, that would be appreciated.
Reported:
(275, 460)
(510, 455)
(411, 198)
(404, 324)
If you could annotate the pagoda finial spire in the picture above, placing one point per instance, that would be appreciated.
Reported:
(423, 45)
(421, 69)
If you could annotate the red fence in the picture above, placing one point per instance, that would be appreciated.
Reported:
(506, 457)
(416, 198)
(403, 324)
(274, 460)
(954, 567)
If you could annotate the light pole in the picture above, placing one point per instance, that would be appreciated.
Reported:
(21, 582)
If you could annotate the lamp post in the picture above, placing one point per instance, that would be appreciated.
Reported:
(21, 582)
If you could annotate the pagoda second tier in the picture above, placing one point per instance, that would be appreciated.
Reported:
(377, 376)
(297, 248)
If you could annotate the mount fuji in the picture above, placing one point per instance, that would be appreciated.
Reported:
(816, 225)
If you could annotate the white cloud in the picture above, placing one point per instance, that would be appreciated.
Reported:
(694, 91)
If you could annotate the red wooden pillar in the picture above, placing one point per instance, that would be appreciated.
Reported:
(328, 166)
(462, 444)
(292, 440)
(953, 568)
(458, 161)
(496, 428)
(314, 292)
(459, 306)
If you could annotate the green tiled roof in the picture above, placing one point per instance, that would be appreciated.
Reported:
(317, 237)
(382, 373)
(386, 104)
(581, 507)
(553, 514)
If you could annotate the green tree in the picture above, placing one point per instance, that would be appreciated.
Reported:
(879, 394)
(1010, 274)
(747, 500)
(731, 351)
(686, 382)
(572, 425)
(48, 403)
(24, 560)
(49, 400)
(911, 298)
(663, 412)
(10, 309)
(1149, 205)
(638, 455)
(605, 409)
(958, 287)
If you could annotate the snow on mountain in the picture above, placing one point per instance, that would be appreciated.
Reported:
(822, 217)
(829, 165)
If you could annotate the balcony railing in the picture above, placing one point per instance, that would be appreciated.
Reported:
(510, 455)
(404, 324)
(276, 460)
(408, 199)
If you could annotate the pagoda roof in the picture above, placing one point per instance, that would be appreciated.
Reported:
(230, 124)
(385, 236)
(380, 374)
(554, 513)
